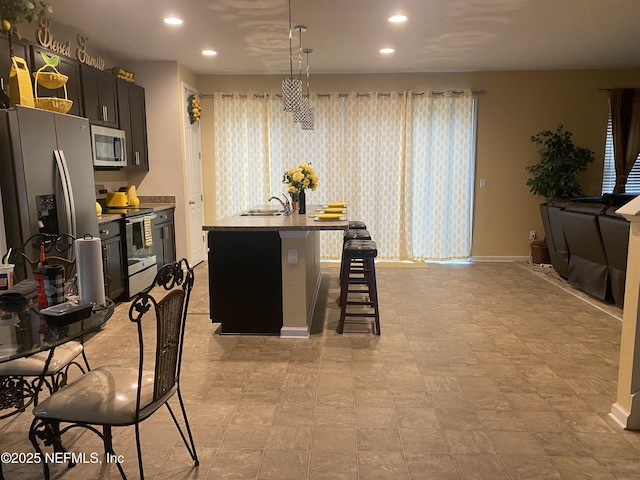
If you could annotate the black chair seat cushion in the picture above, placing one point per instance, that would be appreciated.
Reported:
(357, 224)
(357, 234)
(361, 248)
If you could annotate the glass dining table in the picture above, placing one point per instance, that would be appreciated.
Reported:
(25, 333)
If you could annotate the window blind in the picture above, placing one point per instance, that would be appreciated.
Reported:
(609, 175)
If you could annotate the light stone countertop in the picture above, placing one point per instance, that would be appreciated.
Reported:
(157, 207)
(293, 222)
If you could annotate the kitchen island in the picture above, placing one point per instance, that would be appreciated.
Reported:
(264, 271)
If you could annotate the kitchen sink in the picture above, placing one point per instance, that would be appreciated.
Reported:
(262, 213)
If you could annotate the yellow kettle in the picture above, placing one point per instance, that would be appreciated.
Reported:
(131, 194)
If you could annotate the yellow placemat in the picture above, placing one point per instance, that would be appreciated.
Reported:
(329, 216)
(337, 204)
(333, 210)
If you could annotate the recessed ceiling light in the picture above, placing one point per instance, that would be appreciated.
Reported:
(398, 19)
(173, 21)
(387, 50)
(209, 53)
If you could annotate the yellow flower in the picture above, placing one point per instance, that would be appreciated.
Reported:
(300, 178)
(297, 176)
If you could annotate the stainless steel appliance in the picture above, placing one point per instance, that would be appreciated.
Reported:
(108, 146)
(141, 259)
(47, 175)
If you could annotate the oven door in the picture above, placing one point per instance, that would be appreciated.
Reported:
(141, 260)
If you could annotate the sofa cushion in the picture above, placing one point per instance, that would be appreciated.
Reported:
(588, 269)
(614, 230)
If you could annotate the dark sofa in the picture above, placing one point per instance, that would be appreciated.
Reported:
(588, 243)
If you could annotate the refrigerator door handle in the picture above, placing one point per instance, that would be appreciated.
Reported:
(65, 179)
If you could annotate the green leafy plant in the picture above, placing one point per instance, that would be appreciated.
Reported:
(50, 61)
(560, 162)
(193, 108)
(14, 12)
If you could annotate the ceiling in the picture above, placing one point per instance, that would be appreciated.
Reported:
(251, 36)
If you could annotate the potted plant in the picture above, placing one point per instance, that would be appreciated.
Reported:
(14, 12)
(555, 174)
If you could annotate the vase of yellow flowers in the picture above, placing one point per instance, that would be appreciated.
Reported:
(300, 179)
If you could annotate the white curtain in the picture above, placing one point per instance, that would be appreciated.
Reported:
(403, 162)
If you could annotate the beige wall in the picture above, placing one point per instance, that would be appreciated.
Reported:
(516, 105)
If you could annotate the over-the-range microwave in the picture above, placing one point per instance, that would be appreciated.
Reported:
(108, 146)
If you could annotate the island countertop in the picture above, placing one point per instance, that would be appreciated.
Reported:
(293, 222)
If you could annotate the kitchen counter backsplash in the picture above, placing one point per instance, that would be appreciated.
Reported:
(157, 199)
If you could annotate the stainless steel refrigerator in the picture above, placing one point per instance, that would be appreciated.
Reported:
(46, 175)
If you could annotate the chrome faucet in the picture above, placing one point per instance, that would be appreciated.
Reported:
(286, 205)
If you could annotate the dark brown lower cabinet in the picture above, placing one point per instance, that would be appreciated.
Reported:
(113, 258)
(164, 237)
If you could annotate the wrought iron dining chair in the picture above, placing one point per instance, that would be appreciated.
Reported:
(114, 396)
(20, 378)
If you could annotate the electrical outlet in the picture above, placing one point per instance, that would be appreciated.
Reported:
(532, 235)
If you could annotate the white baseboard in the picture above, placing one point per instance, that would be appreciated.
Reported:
(294, 332)
(619, 414)
(488, 259)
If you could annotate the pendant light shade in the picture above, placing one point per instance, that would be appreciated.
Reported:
(300, 114)
(291, 87)
(291, 94)
(309, 122)
(309, 119)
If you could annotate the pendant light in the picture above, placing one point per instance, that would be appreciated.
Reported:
(291, 87)
(300, 114)
(309, 121)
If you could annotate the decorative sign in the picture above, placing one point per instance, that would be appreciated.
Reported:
(45, 38)
(84, 57)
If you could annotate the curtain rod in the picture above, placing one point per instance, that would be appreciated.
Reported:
(365, 94)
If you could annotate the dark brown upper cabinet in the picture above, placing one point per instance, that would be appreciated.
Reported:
(133, 120)
(99, 96)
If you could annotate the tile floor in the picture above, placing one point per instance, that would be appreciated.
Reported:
(483, 371)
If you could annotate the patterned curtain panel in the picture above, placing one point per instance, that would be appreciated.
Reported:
(441, 171)
(242, 177)
(374, 159)
(403, 162)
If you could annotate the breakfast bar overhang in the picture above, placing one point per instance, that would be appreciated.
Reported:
(264, 271)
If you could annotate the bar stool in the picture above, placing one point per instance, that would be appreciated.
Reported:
(354, 234)
(358, 268)
(357, 225)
